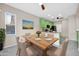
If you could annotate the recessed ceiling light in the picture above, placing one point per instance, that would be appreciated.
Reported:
(48, 15)
(52, 17)
(60, 16)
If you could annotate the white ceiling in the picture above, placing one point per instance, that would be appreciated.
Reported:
(52, 9)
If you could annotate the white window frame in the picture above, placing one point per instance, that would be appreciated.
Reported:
(12, 24)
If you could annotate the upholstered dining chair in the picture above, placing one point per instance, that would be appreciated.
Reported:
(21, 46)
(54, 51)
(26, 49)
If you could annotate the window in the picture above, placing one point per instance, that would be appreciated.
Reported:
(10, 23)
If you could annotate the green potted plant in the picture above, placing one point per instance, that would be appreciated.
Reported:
(2, 37)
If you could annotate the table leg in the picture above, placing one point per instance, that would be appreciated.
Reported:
(45, 52)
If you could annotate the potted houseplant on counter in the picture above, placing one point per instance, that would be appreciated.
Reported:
(2, 38)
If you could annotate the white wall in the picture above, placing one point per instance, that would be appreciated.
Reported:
(59, 27)
(77, 23)
(72, 27)
(65, 28)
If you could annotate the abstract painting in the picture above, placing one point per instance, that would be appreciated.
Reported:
(27, 24)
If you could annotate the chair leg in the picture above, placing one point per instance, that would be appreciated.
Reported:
(18, 52)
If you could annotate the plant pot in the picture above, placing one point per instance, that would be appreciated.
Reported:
(1, 46)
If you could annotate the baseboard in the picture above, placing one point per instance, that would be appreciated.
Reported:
(10, 45)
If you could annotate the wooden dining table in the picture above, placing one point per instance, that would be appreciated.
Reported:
(42, 42)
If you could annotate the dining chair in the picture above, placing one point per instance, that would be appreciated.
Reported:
(21, 47)
(61, 51)
(27, 49)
